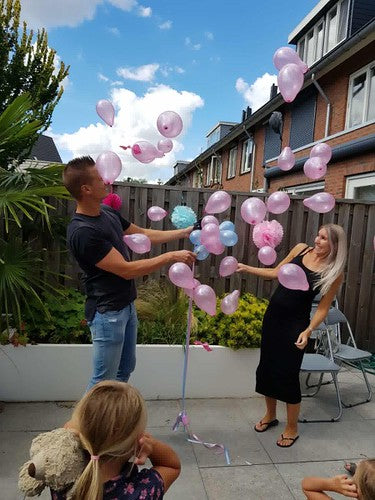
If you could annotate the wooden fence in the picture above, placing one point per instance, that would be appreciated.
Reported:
(357, 295)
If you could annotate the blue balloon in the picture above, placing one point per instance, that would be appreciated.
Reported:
(195, 237)
(227, 225)
(228, 238)
(202, 252)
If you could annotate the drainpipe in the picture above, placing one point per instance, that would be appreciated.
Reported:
(322, 93)
(215, 155)
(252, 157)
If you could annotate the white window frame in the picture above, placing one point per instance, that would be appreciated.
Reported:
(355, 181)
(232, 163)
(197, 179)
(365, 120)
(324, 49)
(312, 186)
(214, 171)
(246, 158)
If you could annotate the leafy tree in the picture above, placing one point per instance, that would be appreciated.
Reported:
(27, 65)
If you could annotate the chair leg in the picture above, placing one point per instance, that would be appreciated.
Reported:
(318, 386)
(369, 390)
(339, 404)
(311, 386)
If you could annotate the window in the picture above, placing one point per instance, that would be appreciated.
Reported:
(361, 187)
(197, 178)
(330, 30)
(214, 171)
(303, 118)
(306, 189)
(232, 163)
(246, 158)
(361, 98)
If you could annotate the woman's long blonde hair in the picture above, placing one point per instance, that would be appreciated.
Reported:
(335, 261)
(364, 478)
(110, 419)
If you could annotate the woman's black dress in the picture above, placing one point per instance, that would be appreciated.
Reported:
(287, 315)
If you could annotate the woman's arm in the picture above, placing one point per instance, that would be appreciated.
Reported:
(320, 313)
(314, 487)
(157, 236)
(271, 273)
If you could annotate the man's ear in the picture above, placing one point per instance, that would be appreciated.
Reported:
(85, 189)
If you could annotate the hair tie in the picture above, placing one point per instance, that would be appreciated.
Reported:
(94, 457)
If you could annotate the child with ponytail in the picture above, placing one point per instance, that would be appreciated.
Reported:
(111, 420)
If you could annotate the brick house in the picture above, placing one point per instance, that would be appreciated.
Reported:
(336, 105)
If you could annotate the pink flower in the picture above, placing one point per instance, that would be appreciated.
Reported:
(129, 488)
(145, 481)
(143, 495)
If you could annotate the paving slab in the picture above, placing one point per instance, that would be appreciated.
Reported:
(33, 416)
(257, 482)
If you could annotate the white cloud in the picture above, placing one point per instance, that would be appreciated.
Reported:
(209, 35)
(191, 45)
(39, 13)
(144, 11)
(257, 93)
(145, 73)
(102, 78)
(179, 70)
(167, 25)
(166, 70)
(135, 120)
(116, 83)
(114, 31)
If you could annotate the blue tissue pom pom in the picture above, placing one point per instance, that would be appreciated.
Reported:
(183, 217)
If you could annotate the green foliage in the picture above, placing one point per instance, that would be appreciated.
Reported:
(162, 313)
(239, 330)
(27, 65)
(64, 324)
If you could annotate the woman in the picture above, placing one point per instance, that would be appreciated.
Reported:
(287, 325)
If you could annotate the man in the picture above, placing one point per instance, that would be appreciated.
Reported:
(95, 238)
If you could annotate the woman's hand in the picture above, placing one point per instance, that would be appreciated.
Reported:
(302, 339)
(242, 268)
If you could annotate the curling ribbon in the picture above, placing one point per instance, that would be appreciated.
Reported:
(204, 345)
(182, 417)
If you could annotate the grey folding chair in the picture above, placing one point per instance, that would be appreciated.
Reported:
(348, 353)
(321, 364)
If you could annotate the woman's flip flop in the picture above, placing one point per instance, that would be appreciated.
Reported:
(292, 441)
(273, 423)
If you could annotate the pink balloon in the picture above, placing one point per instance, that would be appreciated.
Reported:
(106, 111)
(290, 81)
(215, 247)
(156, 213)
(315, 168)
(320, 202)
(267, 255)
(253, 210)
(190, 291)
(218, 202)
(169, 124)
(228, 266)
(278, 202)
(209, 219)
(286, 55)
(293, 277)
(138, 242)
(323, 151)
(229, 304)
(286, 159)
(109, 166)
(205, 298)
(181, 275)
(165, 145)
(268, 233)
(145, 152)
(210, 232)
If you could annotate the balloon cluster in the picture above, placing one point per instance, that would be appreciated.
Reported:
(291, 70)
(213, 237)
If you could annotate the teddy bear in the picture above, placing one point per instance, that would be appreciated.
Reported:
(57, 460)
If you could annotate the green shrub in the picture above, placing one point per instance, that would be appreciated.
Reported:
(66, 324)
(239, 330)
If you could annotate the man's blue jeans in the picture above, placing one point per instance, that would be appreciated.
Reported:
(114, 340)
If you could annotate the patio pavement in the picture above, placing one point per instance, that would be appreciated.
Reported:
(259, 469)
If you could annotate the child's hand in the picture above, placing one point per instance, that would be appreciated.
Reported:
(345, 486)
(145, 448)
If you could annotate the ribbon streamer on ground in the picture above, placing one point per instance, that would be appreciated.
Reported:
(182, 417)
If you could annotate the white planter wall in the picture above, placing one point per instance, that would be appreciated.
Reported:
(48, 372)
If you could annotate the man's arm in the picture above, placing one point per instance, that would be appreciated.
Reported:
(157, 236)
(115, 263)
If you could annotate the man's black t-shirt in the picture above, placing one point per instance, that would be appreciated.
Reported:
(89, 240)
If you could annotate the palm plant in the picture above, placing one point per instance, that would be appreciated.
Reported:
(24, 192)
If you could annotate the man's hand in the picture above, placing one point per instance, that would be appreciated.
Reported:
(186, 231)
(185, 256)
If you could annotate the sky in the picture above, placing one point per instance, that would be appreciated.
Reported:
(206, 60)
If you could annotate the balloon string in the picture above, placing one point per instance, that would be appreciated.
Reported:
(187, 343)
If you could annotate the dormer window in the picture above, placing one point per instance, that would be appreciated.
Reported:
(329, 31)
